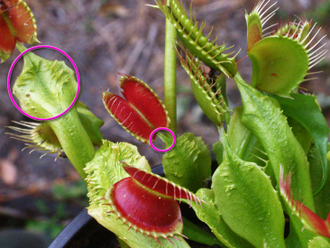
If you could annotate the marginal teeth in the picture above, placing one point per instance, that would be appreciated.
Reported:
(315, 51)
(316, 44)
(312, 38)
(317, 56)
(270, 26)
(267, 18)
(263, 11)
(29, 133)
(309, 33)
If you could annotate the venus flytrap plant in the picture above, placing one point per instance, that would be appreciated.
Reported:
(114, 198)
(46, 89)
(193, 39)
(282, 58)
(279, 142)
(193, 157)
(276, 132)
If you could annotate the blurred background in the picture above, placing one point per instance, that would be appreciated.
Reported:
(104, 37)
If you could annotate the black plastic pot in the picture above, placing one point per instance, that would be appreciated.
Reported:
(84, 231)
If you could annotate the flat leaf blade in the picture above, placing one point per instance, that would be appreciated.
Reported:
(188, 163)
(263, 116)
(279, 65)
(254, 214)
(211, 215)
(305, 109)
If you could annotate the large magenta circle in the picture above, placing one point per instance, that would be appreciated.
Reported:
(11, 71)
(160, 129)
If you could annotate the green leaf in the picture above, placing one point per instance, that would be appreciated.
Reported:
(91, 123)
(46, 89)
(322, 199)
(319, 242)
(243, 142)
(102, 172)
(188, 163)
(42, 137)
(263, 116)
(210, 94)
(252, 213)
(197, 234)
(279, 65)
(211, 215)
(305, 109)
(218, 151)
(301, 134)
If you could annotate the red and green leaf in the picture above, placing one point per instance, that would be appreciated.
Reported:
(310, 220)
(161, 185)
(17, 23)
(140, 111)
(260, 14)
(103, 172)
(7, 40)
(145, 211)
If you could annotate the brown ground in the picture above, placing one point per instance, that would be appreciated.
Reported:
(105, 37)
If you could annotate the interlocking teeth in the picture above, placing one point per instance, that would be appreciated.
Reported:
(38, 136)
(191, 35)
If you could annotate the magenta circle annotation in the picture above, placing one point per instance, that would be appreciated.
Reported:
(161, 129)
(11, 71)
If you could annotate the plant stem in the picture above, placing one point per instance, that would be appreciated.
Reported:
(20, 46)
(68, 128)
(170, 73)
(74, 140)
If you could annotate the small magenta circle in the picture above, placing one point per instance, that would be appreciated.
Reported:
(161, 129)
(11, 71)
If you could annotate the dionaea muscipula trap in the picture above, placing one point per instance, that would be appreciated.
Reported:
(147, 203)
(140, 111)
(17, 23)
(282, 57)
